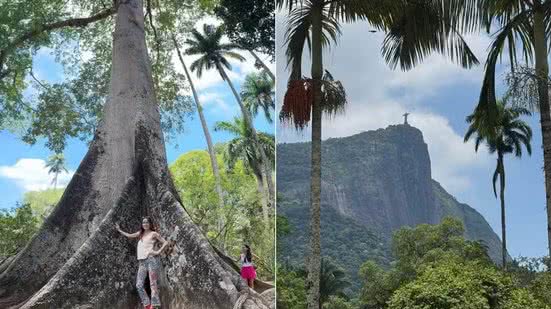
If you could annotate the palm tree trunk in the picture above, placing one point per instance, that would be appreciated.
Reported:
(262, 192)
(503, 224)
(210, 147)
(266, 168)
(542, 70)
(266, 69)
(314, 258)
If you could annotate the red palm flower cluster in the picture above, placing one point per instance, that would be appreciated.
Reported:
(297, 104)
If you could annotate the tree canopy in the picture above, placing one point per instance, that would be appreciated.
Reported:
(78, 35)
(249, 23)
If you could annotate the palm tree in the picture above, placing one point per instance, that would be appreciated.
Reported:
(523, 25)
(210, 147)
(214, 55)
(257, 93)
(414, 30)
(332, 281)
(56, 163)
(506, 137)
(242, 147)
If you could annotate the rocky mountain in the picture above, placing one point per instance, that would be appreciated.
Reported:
(373, 183)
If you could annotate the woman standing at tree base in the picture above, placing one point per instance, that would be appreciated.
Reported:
(148, 261)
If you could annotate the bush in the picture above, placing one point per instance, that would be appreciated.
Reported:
(17, 226)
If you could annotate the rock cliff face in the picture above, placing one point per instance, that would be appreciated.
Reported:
(380, 180)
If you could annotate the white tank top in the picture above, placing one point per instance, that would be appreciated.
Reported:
(145, 245)
(247, 263)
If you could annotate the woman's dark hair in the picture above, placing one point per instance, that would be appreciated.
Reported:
(151, 226)
(248, 254)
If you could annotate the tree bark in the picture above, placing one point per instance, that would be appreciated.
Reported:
(210, 147)
(78, 259)
(261, 191)
(314, 258)
(264, 66)
(503, 223)
(266, 166)
(542, 71)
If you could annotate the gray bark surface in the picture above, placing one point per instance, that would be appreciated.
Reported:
(78, 259)
(314, 257)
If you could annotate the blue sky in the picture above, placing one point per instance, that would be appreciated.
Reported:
(22, 166)
(439, 95)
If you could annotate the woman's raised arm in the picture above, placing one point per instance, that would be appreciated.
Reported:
(129, 235)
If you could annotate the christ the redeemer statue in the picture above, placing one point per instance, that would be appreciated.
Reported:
(406, 118)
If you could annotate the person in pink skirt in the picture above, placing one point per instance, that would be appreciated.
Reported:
(247, 268)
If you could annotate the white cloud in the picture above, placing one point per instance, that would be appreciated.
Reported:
(215, 102)
(32, 174)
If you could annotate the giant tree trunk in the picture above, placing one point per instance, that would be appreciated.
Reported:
(542, 71)
(78, 259)
(210, 147)
(314, 257)
(265, 164)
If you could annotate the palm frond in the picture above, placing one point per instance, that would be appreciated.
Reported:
(420, 30)
(518, 26)
(289, 4)
(233, 128)
(507, 133)
(333, 95)
(297, 35)
(233, 55)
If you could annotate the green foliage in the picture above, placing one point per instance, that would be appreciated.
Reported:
(378, 285)
(42, 202)
(77, 95)
(522, 299)
(251, 24)
(415, 249)
(333, 280)
(337, 302)
(16, 229)
(282, 226)
(257, 92)
(213, 54)
(241, 147)
(436, 268)
(193, 177)
(291, 292)
(425, 244)
(506, 136)
(541, 286)
(56, 164)
(342, 239)
(469, 285)
(516, 34)
(291, 285)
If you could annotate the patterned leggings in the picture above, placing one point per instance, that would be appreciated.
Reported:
(151, 265)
